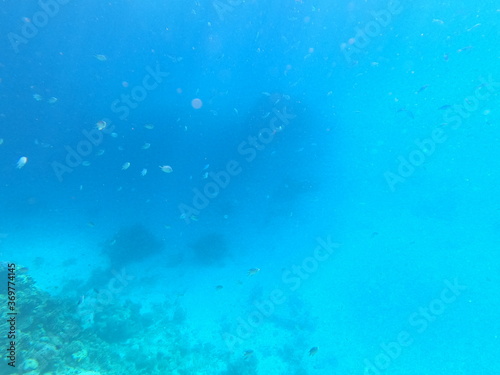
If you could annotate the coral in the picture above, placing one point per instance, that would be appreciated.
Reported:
(30, 364)
(122, 340)
(80, 355)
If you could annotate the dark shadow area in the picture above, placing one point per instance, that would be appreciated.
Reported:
(287, 195)
(131, 244)
(210, 249)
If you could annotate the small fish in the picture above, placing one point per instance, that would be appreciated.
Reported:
(149, 126)
(166, 168)
(219, 287)
(125, 166)
(81, 300)
(145, 146)
(37, 97)
(144, 172)
(253, 271)
(443, 107)
(408, 112)
(313, 351)
(42, 144)
(464, 49)
(101, 57)
(52, 100)
(473, 27)
(247, 353)
(21, 162)
(421, 89)
(174, 59)
(101, 125)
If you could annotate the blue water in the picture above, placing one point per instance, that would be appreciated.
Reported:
(250, 187)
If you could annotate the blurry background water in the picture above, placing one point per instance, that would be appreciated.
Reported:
(186, 160)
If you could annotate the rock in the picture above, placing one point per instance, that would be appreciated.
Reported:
(30, 364)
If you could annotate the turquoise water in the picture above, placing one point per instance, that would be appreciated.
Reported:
(249, 187)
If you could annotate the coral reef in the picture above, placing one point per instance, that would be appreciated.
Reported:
(52, 340)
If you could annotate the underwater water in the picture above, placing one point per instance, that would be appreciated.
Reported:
(288, 187)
